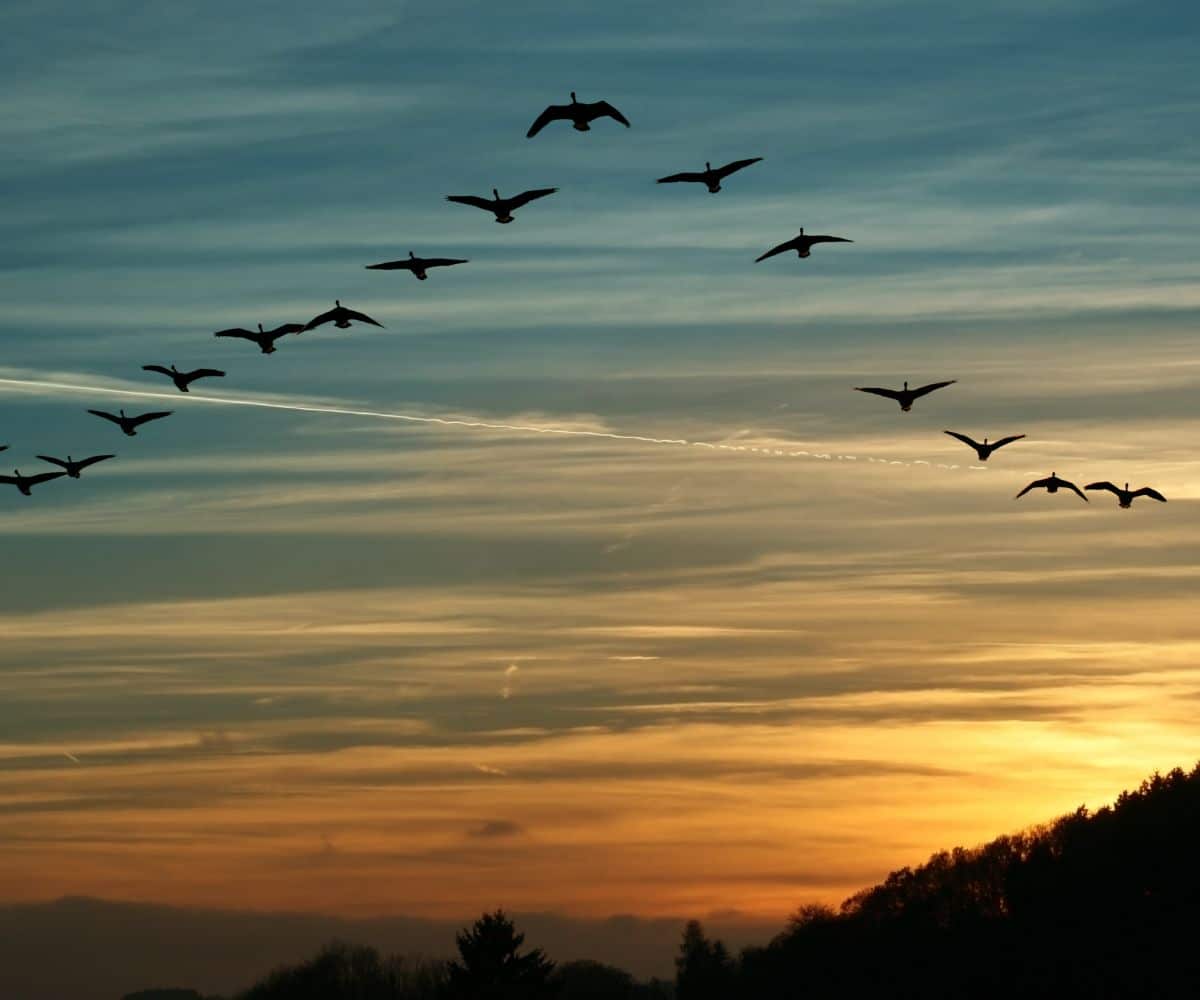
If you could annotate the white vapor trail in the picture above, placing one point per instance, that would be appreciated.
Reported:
(473, 424)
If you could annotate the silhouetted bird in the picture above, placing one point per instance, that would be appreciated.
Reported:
(74, 468)
(578, 113)
(1051, 484)
(1125, 497)
(802, 245)
(340, 317)
(3, 447)
(183, 379)
(26, 483)
(906, 396)
(264, 338)
(502, 208)
(130, 424)
(418, 265)
(708, 176)
(985, 449)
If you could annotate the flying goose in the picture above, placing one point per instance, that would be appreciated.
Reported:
(708, 176)
(502, 208)
(130, 424)
(578, 113)
(1125, 497)
(1051, 484)
(74, 468)
(802, 245)
(906, 396)
(183, 379)
(25, 483)
(418, 265)
(340, 316)
(984, 450)
(264, 338)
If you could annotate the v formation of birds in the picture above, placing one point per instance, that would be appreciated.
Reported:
(581, 115)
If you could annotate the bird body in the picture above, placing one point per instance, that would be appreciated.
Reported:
(709, 177)
(264, 338)
(579, 113)
(906, 396)
(340, 316)
(26, 483)
(72, 467)
(1052, 484)
(183, 379)
(984, 450)
(802, 245)
(130, 424)
(1125, 497)
(502, 208)
(417, 265)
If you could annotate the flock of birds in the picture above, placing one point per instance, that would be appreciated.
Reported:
(580, 114)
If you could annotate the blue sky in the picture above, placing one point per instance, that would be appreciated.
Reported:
(253, 611)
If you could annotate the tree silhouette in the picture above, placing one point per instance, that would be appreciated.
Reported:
(704, 969)
(491, 967)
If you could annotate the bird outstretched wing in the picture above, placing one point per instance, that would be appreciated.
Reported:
(147, 417)
(473, 200)
(107, 416)
(54, 461)
(206, 373)
(325, 317)
(963, 438)
(286, 328)
(391, 265)
(821, 238)
(782, 248)
(1103, 485)
(1035, 485)
(361, 317)
(525, 197)
(3, 447)
(553, 113)
(876, 391)
(1153, 494)
(237, 331)
(1075, 489)
(729, 168)
(42, 477)
(443, 261)
(160, 369)
(602, 108)
(687, 175)
(1006, 440)
(925, 390)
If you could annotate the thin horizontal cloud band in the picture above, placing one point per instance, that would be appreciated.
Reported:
(483, 424)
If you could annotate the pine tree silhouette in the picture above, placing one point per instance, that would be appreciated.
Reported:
(491, 967)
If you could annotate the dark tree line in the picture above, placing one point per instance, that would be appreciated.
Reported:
(1095, 904)
(1103, 904)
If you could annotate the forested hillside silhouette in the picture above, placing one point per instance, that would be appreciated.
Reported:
(1094, 904)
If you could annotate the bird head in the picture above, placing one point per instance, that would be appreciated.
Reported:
(573, 101)
(338, 303)
(905, 384)
(1126, 487)
(122, 412)
(411, 255)
(260, 329)
(496, 194)
(707, 166)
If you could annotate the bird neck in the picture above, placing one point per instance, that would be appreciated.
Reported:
(573, 101)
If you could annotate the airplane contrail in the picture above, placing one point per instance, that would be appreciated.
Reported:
(474, 424)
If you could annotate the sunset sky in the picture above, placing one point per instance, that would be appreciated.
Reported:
(276, 659)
